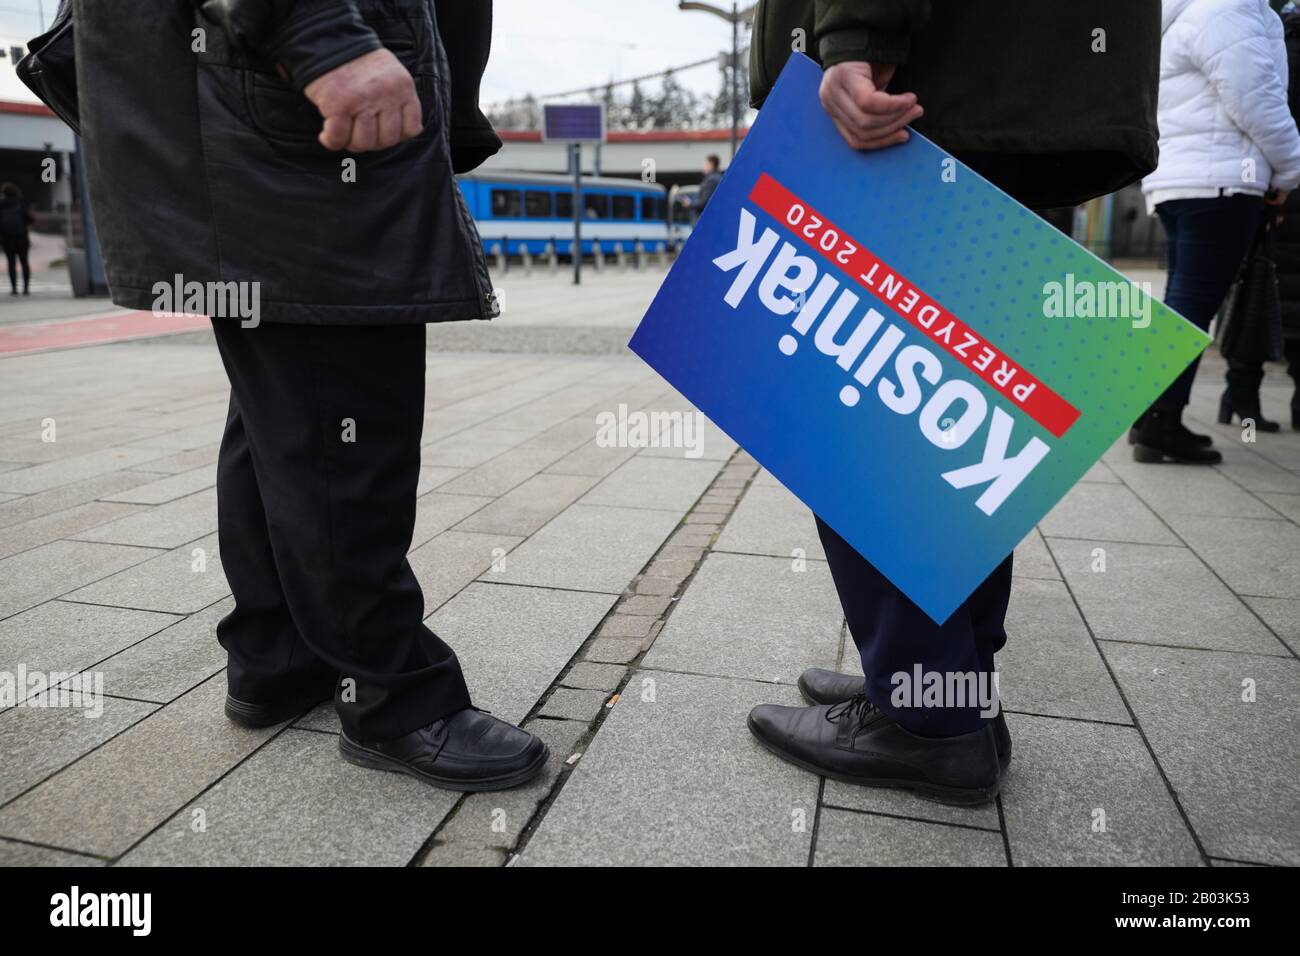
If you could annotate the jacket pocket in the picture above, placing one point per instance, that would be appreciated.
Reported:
(289, 120)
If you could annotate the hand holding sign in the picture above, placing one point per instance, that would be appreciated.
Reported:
(853, 95)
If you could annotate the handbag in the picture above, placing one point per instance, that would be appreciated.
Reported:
(1253, 331)
(50, 68)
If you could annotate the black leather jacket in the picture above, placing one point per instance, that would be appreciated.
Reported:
(202, 159)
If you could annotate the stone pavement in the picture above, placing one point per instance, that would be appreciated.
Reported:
(630, 605)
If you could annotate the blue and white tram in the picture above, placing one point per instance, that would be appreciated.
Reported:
(514, 211)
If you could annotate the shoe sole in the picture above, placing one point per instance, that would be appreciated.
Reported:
(952, 796)
(256, 716)
(1149, 455)
(1004, 760)
(360, 756)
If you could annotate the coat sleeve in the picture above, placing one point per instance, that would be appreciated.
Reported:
(878, 31)
(306, 37)
(1238, 57)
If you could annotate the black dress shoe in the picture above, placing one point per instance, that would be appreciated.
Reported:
(470, 750)
(1162, 436)
(820, 686)
(248, 714)
(856, 743)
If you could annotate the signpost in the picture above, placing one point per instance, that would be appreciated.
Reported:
(575, 124)
(924, 362)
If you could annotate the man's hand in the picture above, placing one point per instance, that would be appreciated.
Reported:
(853, 93)
(1276, 197)
(368, 103)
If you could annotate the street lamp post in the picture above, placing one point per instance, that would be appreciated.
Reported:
(735, 16)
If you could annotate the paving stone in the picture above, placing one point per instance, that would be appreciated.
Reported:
(592, 460)
(672, 570)
(167, 582)
(459, 855)
(502, 473)
(1254, 557)
(64, 471)
(613, 650)
(471, 448)
(648, 787)
(1197, 491)
(38, 741)
(1033, 560)
(61, 636)
(770, 520)
(1288, 505)
(170, 662)
(183, 461)
(434, 476)
(588, 676)
(1105, 513)
(163, 490)
(26, 507)
(13, 853)
(901, 803)
(529, 506)
(645, 605)
(165, 526)
(1159, 595)
(1282, 615)
(1232, 763)
(1253, 472)
(448, 563)
(748, 616)
(114, 796)
(1050, 664)
(513, 642)
(495, 821)
(657, 587)
(1063, 772)
(53, 569)
(573, 550)
(626, 626)
(297, 803)
(863, 839)
(436, 512)
(670, 484)
(569, 704)
(60, 524)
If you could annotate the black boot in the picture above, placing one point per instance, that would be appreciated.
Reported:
(268, 713)
(470, 750)
(820, 686)
(1162, 436)
(1205, 440)
(856, 743)
(1244, 408)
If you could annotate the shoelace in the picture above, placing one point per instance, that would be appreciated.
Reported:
(856, 708)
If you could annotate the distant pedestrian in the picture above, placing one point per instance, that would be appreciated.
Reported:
(1228, 146)
(15, 217)
(712, 176)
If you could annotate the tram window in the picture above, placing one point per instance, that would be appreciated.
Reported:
(505, 203)
(564, 205)
(537, 204)
(595, 206)
(652, 207)
(624, 207)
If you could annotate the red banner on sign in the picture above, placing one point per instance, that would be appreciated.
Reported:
(937, 324)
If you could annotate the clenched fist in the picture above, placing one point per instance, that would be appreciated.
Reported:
(853, 93)
(368, 103)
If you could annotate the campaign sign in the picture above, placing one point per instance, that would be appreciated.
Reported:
(924, 362)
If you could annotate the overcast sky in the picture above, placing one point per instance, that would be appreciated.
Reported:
(542, 46)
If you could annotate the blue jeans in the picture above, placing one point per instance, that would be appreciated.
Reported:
(1208, 238)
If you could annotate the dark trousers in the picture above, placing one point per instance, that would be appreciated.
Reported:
(1207, 239)
(316, 506)
(893, 635)
(16, 252)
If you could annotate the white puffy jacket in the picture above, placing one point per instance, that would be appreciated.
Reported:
(1222, 112)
